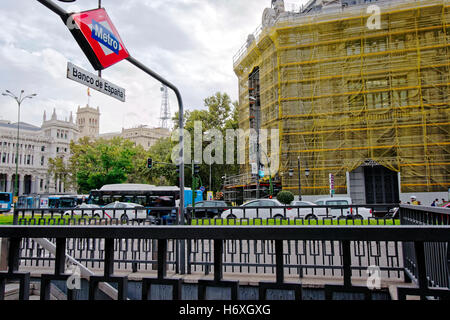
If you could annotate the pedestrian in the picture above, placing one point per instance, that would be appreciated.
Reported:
(443, 202)
(434, 203)
(414, 201)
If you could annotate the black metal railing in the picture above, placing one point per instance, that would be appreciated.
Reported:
(308, 215)
(279, 236)
(437, 255)
(303, 258)
(344, 214)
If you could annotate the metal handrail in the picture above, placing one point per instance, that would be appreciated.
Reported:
(326, 233)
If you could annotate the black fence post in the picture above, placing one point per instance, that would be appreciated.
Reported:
(419, 249)
(162, 254)
(279, 261)
(218, 260)
(14, 255)
(109, 258)
(346, 263)
(60, 257)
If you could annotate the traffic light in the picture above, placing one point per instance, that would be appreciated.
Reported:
(196, 169)
(178, 170)
(149, 163)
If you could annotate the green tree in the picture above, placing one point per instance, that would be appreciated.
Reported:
(220, 113)
(58, 169)
(161, 174)
(285, 197)
(100, 162)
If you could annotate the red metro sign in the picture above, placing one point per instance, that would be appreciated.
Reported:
(98, 38)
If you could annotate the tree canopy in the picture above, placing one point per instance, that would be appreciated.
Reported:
(94, 163)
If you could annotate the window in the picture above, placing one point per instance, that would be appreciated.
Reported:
(42, 160)
(266, 203)
(43, 148)
(337, 203)
(353, 48)
(252, 204)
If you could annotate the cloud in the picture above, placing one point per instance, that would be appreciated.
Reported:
(189, 42)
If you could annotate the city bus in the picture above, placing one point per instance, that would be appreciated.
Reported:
(62, 201)
(46, 201)
(143, 194)
(5, 201)
(26, 202)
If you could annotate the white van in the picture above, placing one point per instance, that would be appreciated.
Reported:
(361, 213)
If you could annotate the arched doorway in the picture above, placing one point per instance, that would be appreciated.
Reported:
(372, 183)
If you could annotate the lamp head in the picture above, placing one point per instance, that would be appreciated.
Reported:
(307, 172)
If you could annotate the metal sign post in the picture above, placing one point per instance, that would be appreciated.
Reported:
(108, 38)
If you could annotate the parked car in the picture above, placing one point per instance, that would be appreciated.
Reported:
(347, 212)
(252, 210)
(84, 210)
(310, 212)
(210, 212)
(129, 211)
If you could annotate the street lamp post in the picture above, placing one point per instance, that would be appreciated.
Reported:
(19, 99)
(299, 181)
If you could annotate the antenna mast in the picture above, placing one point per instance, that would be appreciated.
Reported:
(165, 108)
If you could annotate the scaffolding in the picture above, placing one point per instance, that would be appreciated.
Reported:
(342, 94)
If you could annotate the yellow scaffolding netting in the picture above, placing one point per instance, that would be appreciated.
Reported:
(341, 93)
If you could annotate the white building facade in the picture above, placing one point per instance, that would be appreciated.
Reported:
(51, 140)
(36, 146)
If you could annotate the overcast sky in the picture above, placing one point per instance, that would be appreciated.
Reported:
(189, 42)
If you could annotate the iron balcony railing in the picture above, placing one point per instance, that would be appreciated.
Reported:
(280, 236)
(437, 255)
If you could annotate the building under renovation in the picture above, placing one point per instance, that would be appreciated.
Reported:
(358, 89)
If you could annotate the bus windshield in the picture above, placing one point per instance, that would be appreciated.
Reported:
(67, 202)
(5, 197)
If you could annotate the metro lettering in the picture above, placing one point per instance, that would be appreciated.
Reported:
(105, 37)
